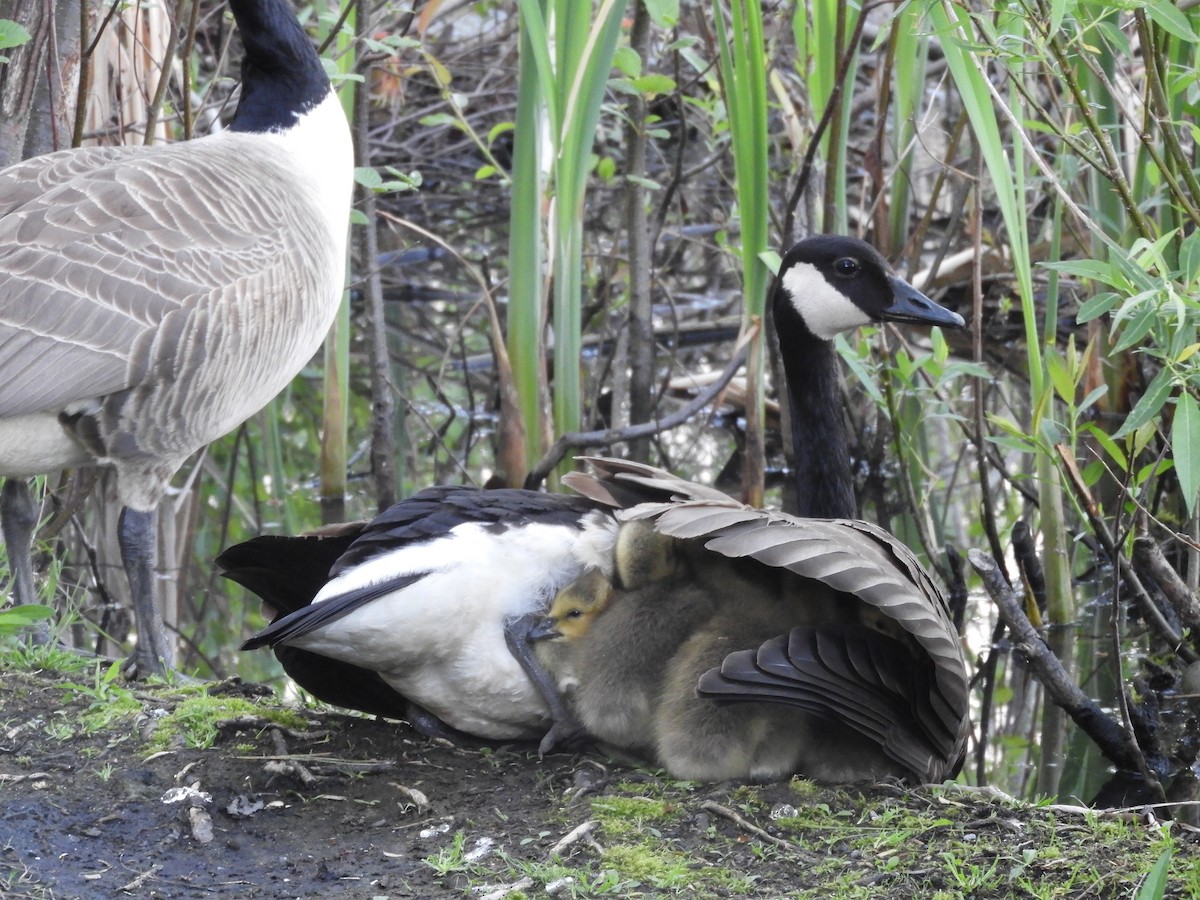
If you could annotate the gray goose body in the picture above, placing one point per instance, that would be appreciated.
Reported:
(153, 298)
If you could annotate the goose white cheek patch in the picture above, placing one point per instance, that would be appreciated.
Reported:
(825, 310)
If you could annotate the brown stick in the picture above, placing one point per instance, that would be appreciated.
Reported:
(1149, 609)
(1148, 557)
(1113, 740)
(580, 439)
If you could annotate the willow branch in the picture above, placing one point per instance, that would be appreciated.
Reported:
(1114, 741)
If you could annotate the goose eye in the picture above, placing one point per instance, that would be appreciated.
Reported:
(575, 614)
(847, 266)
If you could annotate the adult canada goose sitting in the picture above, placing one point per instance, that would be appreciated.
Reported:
(775, 645)
(419, 599)
(153, 298)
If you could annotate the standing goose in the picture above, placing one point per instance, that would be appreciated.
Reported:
(414, 607)
(153, 298)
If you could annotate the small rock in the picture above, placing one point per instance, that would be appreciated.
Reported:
(201, 822)
(242, 807)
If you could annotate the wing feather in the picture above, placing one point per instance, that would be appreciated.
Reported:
(854, 558)
(98, 249)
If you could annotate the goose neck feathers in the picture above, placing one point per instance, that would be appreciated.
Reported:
(827, 285)
(282, 76)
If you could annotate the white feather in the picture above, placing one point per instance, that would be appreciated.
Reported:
(319, 146)
(440, 642)
(825, 310)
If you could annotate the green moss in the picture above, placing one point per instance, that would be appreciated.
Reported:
(196, 719)
(623, 815)
(657, 868)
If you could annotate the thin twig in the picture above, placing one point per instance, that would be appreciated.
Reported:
(578, 440)
(1114, 742)
(579, 833)
(749, 827)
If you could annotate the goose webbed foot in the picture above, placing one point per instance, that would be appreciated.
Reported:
(18, 517)
(426, 723)
(566, 735)
(140, 665)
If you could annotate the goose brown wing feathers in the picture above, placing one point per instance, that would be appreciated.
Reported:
(900, 609)
(852, 674)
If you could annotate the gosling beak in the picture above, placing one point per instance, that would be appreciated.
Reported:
(543, 630)
(910, 305)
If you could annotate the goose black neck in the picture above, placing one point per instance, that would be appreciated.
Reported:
(282, 77)
(823, 483)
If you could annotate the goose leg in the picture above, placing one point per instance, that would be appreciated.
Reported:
(18, 517)
(137, 536)
(566, 729)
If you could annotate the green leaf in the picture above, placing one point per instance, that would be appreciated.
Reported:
(435, 119)
(1189, 258)
(1168, 17)
(1155, 885)
(498, 130)
(771, 259)
(1185, 448)
(12, 34)
(627, 62)
(17, 618)
(1098, 306)
(1139, 326)
(1093, 395)
(368, 177)
(1092, 269)
(1093, 472)
(863, 378)
(1149, 406)
(650, 85)
(647, 183)
(485, 172)
(663, 13)
(1060, 376)
(1110, 446)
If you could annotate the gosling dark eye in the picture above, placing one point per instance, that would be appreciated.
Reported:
(847, 266)
(575, 614)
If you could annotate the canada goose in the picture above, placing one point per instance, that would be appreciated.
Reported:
(153, 298)
(787, 645)
(425, 605)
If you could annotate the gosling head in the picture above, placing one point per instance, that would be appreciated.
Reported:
(644, 555)
(829, 284)
(575, 607)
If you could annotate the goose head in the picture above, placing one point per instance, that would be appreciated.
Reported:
(829, 284)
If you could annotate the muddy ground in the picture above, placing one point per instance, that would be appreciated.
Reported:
(102, 796)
